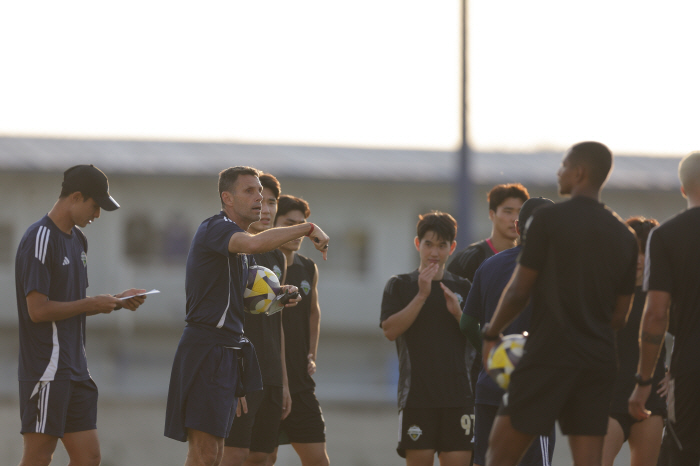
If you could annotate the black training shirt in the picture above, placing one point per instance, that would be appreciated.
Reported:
(297, 331)
(673, 266)
(264, 330)
(586, 257)
(465, 262)
(433, 351)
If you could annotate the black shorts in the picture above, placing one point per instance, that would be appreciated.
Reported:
(58, 407)
(578, 398)
(626, 421)
(258, 429)
(439, 429)
(211, 400)
(540, 452)
(305, 423)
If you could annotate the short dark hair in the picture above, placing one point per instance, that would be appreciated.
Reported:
(270, 182)
(228, 177)
(442, 224)
(596, 157)
(288, 203)
(642, 226)
(501, 192)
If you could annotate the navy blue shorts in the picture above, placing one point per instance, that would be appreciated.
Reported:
(258, 429)
(539, 454)
(439, 429)
(305, 423)
(58, 407)
(211, 401)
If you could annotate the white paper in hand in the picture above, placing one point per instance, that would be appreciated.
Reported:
(153, 291)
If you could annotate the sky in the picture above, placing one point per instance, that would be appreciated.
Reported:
(543, 74)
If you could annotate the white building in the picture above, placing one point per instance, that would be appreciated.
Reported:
(367, 200)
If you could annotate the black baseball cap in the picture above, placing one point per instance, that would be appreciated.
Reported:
(530, 206)
(92, 182)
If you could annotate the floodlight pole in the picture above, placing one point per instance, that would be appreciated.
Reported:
(463, 188)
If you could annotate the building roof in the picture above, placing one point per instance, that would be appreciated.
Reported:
(24, 154)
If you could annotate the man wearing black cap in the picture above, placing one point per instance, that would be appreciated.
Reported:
(489, 281)
(58, 399)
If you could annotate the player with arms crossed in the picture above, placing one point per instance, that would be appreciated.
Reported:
(305, 427)
(421, 312)
(579, 264)
(644, 436)
(673, 300)
(214, 363)
(489, 281)
(58, 398)
(253, 435)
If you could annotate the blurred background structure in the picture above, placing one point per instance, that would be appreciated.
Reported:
(359, 108)
(367, 200)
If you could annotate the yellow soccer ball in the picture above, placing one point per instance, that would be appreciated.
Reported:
(504, 357)
(261, 288)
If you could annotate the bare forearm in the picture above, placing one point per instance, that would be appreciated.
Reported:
(266, 240)
(652, 331)
(509, 306)
(314, 330)
(397, 324)
(48, 311)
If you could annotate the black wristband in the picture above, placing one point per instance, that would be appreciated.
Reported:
(486, 337)
(641, 382)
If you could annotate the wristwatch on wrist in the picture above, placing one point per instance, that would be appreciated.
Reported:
(640, 381)
(486, 337)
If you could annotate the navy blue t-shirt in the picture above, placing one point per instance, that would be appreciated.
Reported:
(215, 278)
(54, 264)
(489, 281)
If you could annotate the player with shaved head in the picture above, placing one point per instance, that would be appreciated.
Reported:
(673, 299)
(578, 265)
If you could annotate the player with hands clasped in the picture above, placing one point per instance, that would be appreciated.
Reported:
(215, 364)
(58, 398)
(421, 312)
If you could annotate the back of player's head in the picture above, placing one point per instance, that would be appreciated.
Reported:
(270, 182)
(228, 177)
(288, 203)
(642, 226)
(689, 171)
(501, 192)
(528, 209)
(596, 157)
(442, 224)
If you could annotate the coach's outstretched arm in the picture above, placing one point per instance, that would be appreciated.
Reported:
(273, 238)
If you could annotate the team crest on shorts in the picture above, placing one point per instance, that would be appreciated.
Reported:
(414, 432)
(277, 271)
(305, 286)
(83, 257)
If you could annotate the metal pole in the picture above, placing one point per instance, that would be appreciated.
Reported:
(463, 188)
